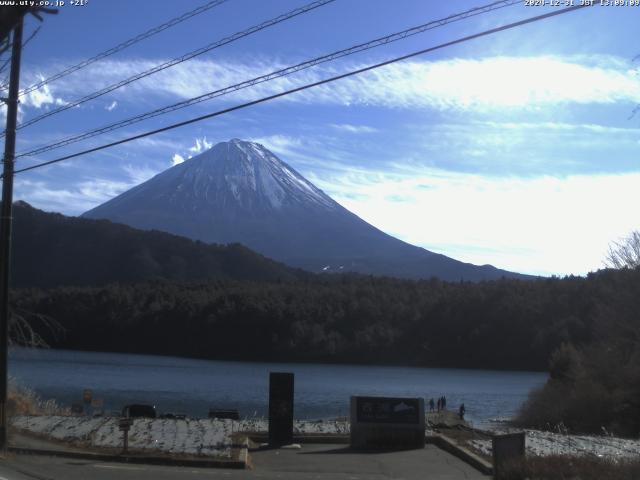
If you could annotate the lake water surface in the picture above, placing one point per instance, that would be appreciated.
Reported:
(181, 385)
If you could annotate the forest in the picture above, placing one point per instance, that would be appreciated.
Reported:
(506, 324)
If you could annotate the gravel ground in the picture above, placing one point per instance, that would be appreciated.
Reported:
(210, 437)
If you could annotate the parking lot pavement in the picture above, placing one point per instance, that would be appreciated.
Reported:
(338, 461)
(312, 461)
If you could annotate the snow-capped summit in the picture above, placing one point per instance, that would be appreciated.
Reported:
(239, 191)
(243, 175)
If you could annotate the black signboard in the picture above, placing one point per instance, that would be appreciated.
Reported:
(224, 413)
(387, 410)
(280, 408)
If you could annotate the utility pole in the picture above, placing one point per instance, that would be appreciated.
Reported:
(5, 225)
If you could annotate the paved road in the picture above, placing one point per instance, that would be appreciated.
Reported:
(313, 461)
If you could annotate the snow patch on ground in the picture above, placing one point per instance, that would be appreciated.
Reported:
(209, 437)
(190, 436)
(59, 427)
(213, 437)
(548, 443)
(332, 427)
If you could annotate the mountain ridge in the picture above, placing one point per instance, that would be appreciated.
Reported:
(52, 250)
(239, 191)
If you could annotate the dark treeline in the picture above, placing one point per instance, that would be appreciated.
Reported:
(506, 324)
(50, 250)
(594, 386)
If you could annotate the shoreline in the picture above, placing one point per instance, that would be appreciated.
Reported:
(284, 362)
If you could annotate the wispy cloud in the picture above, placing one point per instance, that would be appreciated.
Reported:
(139, 174)
(563, 127)
(280, 144)
(176, 159)
(112, 106)
(313, 153)
(72, 199)
(524, 148)
(498, 82)
(347, 127)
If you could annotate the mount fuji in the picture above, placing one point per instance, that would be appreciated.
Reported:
(239, 191)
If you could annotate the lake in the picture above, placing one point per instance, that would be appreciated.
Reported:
(182, 385)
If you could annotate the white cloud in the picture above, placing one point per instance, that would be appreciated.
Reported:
(41, 97)
(509, 82)
(177, 159)
(542, 225)
(200, 146)
(111, 106)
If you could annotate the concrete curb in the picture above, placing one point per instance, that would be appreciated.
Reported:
(240, 453)
(260, 437)
(462, 453)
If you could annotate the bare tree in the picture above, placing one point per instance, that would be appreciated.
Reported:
(625, 253)
(23, 333)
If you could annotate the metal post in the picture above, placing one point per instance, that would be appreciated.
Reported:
(5, 225)
(126, 442)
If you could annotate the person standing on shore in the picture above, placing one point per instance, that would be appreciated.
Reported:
(444, 402)
(431, 404)
(439, 403)
(462, 411)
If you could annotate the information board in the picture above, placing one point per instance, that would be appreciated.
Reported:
(387, 410)
(387, 422)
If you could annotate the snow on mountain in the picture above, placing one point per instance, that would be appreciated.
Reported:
(235, 174)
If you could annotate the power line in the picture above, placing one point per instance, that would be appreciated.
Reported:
(123, 45)
(276, 74)
(24, 44)
(309, 85)
(6, 45)
(3, 68)
(183, 58)
(31, 37)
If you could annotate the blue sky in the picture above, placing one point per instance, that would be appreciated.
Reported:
(515, 150)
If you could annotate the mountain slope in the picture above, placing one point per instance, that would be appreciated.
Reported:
(241, 192)
(51, 250)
